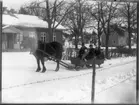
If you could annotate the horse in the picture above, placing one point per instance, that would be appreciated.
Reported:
(49, 50)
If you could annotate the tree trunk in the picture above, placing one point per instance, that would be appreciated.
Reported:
(99, 44)
(106, 47)
(129, 28)
(80, 22)
(107, 41)
(76, 42)
(49, 21)
(50, 32)
(82, 37)
(129, 33)
(129, 36)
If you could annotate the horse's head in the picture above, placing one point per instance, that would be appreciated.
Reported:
(40, 44)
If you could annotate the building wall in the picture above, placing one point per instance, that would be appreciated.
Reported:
(115, 39)
(43, 31)
(58, 34)
(28, 34)
(123, 40)
(32, 35)
(4, 41)
(59, 37)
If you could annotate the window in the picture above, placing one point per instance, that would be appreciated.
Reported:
(54, 36)
(43, 36)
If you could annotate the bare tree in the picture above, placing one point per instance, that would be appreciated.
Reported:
(78, 19)
(128, 12)
(95, 13)
(108, 11)
(32, 8)
(52, 12)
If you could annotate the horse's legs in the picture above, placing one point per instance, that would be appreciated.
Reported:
(57, 68)
(38, 63)
(42, 61)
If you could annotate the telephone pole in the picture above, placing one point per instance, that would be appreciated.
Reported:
(1, 48)
(137, 62)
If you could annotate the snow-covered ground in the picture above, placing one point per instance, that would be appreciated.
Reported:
(21, 84)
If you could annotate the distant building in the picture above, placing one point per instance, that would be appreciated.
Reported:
(118, 37)
(21, 31)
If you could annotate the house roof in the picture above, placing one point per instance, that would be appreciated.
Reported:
(9, 20)
(117, 29)
(26, 21)
(133, 30)
(10, 29)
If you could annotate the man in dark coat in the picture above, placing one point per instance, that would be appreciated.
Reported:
(91, 52)
(82, 51)
(99, 53)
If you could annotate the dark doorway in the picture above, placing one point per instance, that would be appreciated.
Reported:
(10, 39)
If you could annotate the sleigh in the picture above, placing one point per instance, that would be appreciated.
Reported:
(88, 63)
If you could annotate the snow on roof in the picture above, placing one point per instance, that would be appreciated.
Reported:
(59, 26)
(26, 21)
(30, 21)
(9, 20)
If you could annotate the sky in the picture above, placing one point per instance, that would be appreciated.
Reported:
(15, 4)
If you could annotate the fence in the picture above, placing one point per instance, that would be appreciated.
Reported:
(119, 52)
(69, 52)
(113, 52)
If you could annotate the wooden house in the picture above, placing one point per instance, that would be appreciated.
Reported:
(19, 30)
(118, 37)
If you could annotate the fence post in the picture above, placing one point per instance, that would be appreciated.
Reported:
(93, 81)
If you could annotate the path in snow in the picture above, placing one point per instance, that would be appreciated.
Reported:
(21, 66)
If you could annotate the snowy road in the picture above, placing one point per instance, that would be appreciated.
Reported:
(21, 84)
